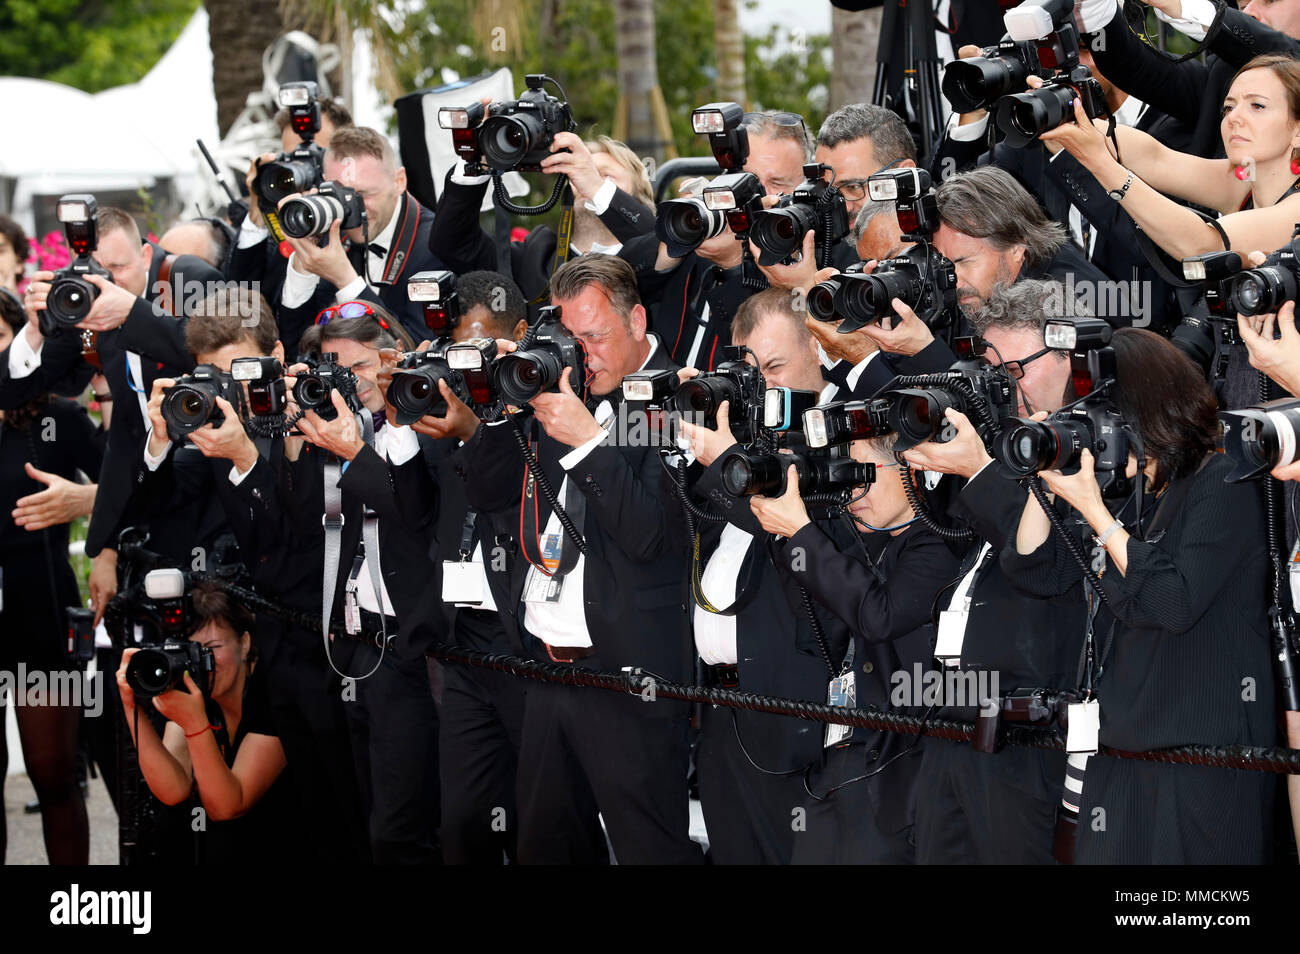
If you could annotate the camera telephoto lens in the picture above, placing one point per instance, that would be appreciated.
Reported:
(780, 232)
(918, 415)
(745, 475)
(699, 397)
(308, 215)
(1262, 290)
(505, 140)
(1023, 117)
(415, 393)
(821, 300)
(975, 83)
(310, 392)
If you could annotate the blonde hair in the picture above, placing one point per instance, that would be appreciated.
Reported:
(621, 153)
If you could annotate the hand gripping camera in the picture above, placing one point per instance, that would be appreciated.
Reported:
(71, 296)
(161, 664)
(540, 360)
(313, 391)
(298, 170)
(516, 135)
(1092, 422)
(816, 204)
(1049, 26)
(466, 367)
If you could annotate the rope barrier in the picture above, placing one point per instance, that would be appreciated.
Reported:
(639, 682)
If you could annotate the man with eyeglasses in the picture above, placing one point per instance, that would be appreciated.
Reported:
(985, 808)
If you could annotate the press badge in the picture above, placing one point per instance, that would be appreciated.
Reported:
(462, 582)
(952, 632)
(541, 588)
(843, 692)
(1084, 725)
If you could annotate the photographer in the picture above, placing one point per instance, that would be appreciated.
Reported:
(1190, 92)
(14, 249)
(1173, 620)
(393, 719)
(981, 807)
(880, 579)
(42, 446)
(618, 604)
(752, 630)
(220, 742)
(243, 479)
(138, 322)
(1069, 194)
(1253, 190)
(613, 203)
(397, 232)
(480, 713)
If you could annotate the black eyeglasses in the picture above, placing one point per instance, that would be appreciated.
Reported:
(1017, 368)
(854, 189)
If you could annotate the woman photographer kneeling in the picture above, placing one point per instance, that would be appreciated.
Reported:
(218, 745)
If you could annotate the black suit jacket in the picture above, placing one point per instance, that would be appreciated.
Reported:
(777, 652)
(891, 628)
(633, 572)
(1190, 92)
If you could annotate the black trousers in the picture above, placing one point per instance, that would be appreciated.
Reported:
(588, 751)
(481, 722)
(750, 815)
(394, 725)
(840, 827)
(976, 808)
(307, 707)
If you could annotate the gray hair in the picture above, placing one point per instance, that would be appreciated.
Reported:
(1026, 306)
(890, 139)
(870, 209)
(988, 203)
(769, 126)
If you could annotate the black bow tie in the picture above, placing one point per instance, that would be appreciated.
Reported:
(380, 418)
(377, 249)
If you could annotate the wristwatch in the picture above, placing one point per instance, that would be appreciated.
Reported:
(1118, 194)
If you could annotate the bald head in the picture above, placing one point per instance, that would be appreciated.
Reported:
(194, 238)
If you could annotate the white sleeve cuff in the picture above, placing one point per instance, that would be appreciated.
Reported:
(574, 457)
(1095, 15)
(1195, 21)
(236, 477)
(250, 234)
(351, 290)
(604, 195)
(150, 461)
(971, 132)
(458, 176)
(401, 444)
(298, 288)
(23, 358)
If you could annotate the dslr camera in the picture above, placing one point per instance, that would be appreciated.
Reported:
(980, 81)
(514, 135)
(1256, 291)
(1049, 26)
(540, 360)
(309, 216)
(167, 653)
(917, 404)
(71, 296)
(683, 224)
(296, 171)
(1260, 437)
(816, 204)
(822, 473)
(922, 278)
(466, 367)
(314, 389)
(191, 402)
(1196, 335)
(1092, 422)
(436, 293)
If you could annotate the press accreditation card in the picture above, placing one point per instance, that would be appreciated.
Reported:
(539, 587)
(1084, 721)
(843, 692)
(462, 582)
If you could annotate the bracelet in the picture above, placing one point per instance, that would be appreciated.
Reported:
(103, 398)
(190, 735)
(1109, 532)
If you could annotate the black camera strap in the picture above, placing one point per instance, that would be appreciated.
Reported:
(408, 226)
(333, 520)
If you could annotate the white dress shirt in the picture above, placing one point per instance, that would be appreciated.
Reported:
(298, 287)
(564, 623)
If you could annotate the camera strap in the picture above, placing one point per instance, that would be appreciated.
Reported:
(164, 285)
(332, 520)
(408, 225)
(551, 554)
(565, 234)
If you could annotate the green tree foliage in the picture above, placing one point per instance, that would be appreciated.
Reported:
(89, 44)
(784, 70)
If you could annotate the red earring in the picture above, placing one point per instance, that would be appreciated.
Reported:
(1240, 172)
(1295, 164)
